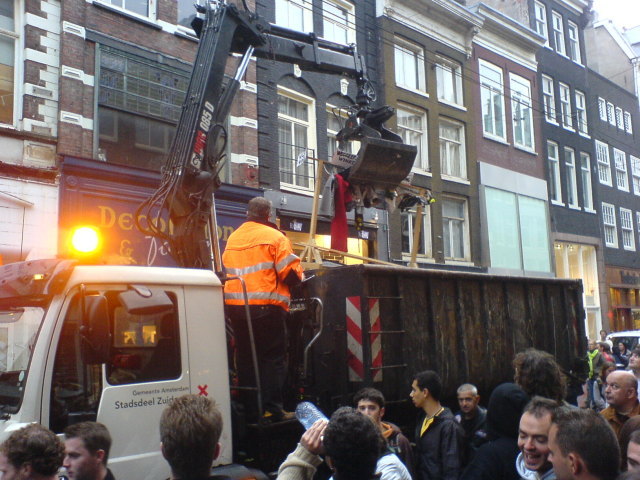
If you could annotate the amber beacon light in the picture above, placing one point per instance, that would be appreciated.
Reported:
(85, 240)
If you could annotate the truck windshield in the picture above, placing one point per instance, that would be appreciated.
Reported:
(18, 331)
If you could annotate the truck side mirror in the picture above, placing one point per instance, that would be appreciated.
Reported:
(141, 300)
(95, 332)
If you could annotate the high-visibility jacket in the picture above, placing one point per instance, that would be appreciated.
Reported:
(263, 257)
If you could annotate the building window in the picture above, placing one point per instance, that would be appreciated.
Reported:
(455, 231)
(565, 106)
(549, 99)
(296, 127)
(453, 158)
(449, 80)
(558, 33)
(521, 111)
(144, 8)
(8, 47)
(581, 113)
(626, 225)
(412, 127)
(338, 21)
(139, 104)
(409, 65)
(572, 184)
(638, 224)
(604, 165)
(555, 187)
(611, 116)
(540, 12)
(492, 98)
(336, 117)
(407, 222)
(294, 14)
(627, 123)
(585, 174)
(635, 173)
(574, 42)
(620, 159)
(602, 109)
(619, 118)
(610, 229)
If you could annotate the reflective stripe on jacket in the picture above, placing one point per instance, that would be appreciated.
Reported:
(263, 257)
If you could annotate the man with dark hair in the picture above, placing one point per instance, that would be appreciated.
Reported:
(351, 442)
(621, 393)
(438, 436)
(190, 428)
(583, 446)
(472, 418)
(262, 256)
(633, 452)
(370, 402)
(87, 446)
(538, 373)
(533, 440)
(634, 365)
(31, 453)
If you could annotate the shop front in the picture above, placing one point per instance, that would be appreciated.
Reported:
(624, 298)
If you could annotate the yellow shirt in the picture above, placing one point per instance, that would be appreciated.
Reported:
(429, 420)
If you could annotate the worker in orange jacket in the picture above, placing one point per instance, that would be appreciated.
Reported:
(261, 254)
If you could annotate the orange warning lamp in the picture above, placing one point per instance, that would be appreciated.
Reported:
(85, 240)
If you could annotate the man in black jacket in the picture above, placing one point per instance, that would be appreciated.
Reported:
(438, 435)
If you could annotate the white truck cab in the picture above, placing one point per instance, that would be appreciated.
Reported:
(113, 344)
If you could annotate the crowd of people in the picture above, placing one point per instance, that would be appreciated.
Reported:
(528, 431)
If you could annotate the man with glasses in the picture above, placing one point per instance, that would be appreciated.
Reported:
(621, 393)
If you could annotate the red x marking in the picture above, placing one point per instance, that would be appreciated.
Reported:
(203, 390)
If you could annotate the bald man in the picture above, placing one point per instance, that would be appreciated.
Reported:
(621, 394)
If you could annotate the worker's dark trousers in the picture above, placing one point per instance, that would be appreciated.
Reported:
(269, 333)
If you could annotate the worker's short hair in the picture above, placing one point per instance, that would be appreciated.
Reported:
(259, 208)
(190, 428)
(431, 381)
(467, 387)
(636, 351)
(540, 406)
(94, 435)
(371, 394)
(354, 444)
(36, 446)
(577, 429)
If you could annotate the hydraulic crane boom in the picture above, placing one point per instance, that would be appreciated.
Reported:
(190, 176)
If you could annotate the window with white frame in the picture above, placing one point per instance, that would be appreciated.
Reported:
(492, 98)
(602, 109)
(549, 99)
(558, 33)
(627, 123)
(585, 177)
(335, 121)
(574, 42)
(144, 8)
(619, 118)
(294, 14)
(9, 38)
(453, 157)
(565, 106)
(611, 113)
(409, 65)
(186, 13)
(635, 173)
(449, 80)
(604, 164)
(521, 111)
(626, 226)
(338, 21)
(296, 139)
(610, 228)
(555, 187)
(620, 161)
(412, 127)
(540, 12)
(455, 230)
(570, 171)
(581, 113)
(407, 229)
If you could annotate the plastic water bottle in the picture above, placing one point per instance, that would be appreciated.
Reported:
(307, 414)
